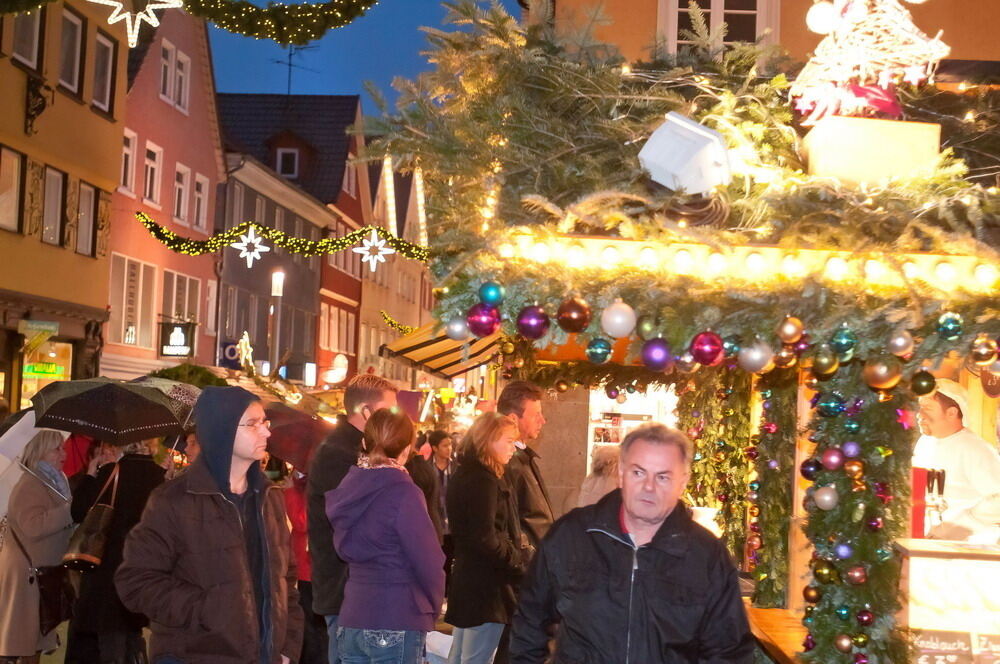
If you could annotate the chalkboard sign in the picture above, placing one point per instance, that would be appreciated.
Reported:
(934, 647)
(987, 648)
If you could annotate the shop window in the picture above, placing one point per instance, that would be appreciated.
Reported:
(71, 52)
(11, 185)
(54, 208)
(49, 363)
(28, 38)
(131, 295)
(86, 216)
(105, 54)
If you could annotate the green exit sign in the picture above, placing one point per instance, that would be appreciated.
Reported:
(44, 370)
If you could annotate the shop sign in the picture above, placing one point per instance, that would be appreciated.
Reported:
(229, 355)
(177, 339)
(935, 647)
(36, 332)
(44, 370)
(991, 382)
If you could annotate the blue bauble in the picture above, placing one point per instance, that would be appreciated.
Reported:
(755, 485)
(731, 345)
(843, 551)
(950, 325)
(491, 293)
(599, 350)
(844, 612)
(830, 404)
(843, 340)
(852, 426)
(810, 468)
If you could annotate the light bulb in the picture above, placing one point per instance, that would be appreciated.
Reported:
(611, 256)
(836, 268)
(821, 18)
(649, 258)
(986, 275)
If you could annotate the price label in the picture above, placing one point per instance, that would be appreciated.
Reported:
(936, 647)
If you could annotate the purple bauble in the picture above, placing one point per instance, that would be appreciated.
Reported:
(706, 348)
(851, 449)
(832, 458)
(612, 392)
(656, 354)
(843, 551)
(533, 322)
(773, 464)
(484, 319)
(810, 469)
(874, 524)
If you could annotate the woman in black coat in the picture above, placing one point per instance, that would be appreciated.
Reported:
(490, 551)
(102, 629)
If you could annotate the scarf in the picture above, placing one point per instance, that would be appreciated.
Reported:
(54, 477)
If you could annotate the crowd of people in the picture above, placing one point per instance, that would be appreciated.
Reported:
(359, 556)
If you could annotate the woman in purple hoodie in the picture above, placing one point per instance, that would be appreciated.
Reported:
(381, 528)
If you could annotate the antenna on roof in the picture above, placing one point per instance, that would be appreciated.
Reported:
(292, 52)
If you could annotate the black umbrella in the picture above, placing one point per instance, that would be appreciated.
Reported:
(110, 410)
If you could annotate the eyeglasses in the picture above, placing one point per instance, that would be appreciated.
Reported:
(262, 423)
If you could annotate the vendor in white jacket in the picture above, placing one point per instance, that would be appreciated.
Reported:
(971, 465)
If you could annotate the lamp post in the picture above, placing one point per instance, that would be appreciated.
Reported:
(274, 317)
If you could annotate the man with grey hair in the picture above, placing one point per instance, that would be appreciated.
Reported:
(633, 579)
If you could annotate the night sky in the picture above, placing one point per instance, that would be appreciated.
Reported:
(384, 43)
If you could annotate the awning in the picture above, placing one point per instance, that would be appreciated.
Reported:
(437, 354)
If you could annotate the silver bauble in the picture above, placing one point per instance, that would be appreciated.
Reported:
(826, 498)
(755, 357)
(900, 343)
(686, 364)
(618, 320)
(458, 329)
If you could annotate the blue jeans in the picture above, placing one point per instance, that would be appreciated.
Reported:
(475, 645)
(380, 646)
(331, 632)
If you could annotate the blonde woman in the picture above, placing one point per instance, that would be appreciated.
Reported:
(39, 518)
(490, 550)
(603, 478)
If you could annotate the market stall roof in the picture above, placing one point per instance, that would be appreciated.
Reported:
(434, 352)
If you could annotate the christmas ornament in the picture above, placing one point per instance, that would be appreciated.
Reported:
(599, 350)
(809, 643)
(753, 511)
(810, 382)
(882, 373)
(832, 458)
(851, 448)
(790, 330)
(843, 551)
(533, 322)
(883, 554)
(825, 362)
(630, 388)
(900, 343)
(706, 348)
(854, 469)
(618, 320)
(843, 643)
(573, 315)
(812, 594)
(754, 485)
(860, 658)
(824, 571)
(860, 640)
(983, 351)
(826, 498)
(852, 426)
(882, 492)
(685, 363)
(755, 542)
(518, 363)
(133, 20)
(621, 398)
(830, 404)
(491, 293)
(905, 418)
(561, 386)
(874, 524)
(786, 358)
(731, 345)
(507, 348)
(755, 357)
(802, 345)
(374, 250)
(810, 468)
(656, 354)
(648, 327)
(457, 328)
(843, 612)
(753, 496)
(483, 319)
(751, 453)
(922, 383)
(950, 326)
(843, 340)
(769, 428)
(865, 617)
(612, 392)
(251, 246)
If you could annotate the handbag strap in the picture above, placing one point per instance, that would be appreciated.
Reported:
(114, 489)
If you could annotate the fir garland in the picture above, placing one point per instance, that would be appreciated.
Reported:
(775, 478)
(303, 246)
(285, 24)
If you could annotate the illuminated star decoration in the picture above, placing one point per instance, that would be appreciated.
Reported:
(374, 251)
(133, 20)
(905, 418)
(251, 247)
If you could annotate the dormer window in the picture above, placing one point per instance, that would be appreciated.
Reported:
(288, 162)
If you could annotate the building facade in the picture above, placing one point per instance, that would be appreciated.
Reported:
(163, 303)
(62, 102)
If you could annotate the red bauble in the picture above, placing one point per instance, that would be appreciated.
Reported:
(857, 575)
(832, 458)
(865, 617)
(812, 594)
(706, 348)
(574, 315)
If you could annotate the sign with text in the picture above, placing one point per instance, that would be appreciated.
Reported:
(987, 648)
(229, 355)
(937, 647)
(177, 339)
(36, 332)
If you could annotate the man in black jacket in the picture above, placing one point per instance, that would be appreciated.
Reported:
(632, 579)
(365, 394)
(523, 401)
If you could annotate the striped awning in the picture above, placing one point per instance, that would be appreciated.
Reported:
(434, 352)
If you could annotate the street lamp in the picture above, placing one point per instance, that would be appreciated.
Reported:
(274, 317)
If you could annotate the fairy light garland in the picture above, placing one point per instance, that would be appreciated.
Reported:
(302, 246)
(396, 325)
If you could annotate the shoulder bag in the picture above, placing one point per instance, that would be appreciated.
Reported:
(55, 594)
(86, 546)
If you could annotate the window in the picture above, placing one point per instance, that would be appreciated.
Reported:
(151, 173)
(127, 178)
(279, 225)
(260, 210)
(182, 81)
(351, 180)
(132, 284)
(253, 317)
(351, 323)
(182, 193)
(181, 295)
(201, 202)
(342, 331)
(288, 162)
(11, 185)
(54, 206)
(364, 335)
(334, 339)
(237, 215)
(71, 51)
(746, 20)
(27, 38)
(167, 53)
(85, 217)
(211, 305)
(230, 312)
(298, 233)
(104, 71)
(324, 325)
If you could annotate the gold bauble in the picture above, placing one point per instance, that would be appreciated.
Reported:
(507, 348)
(790, 330)
(882, 373)
(843, 642)
(854, 468)
(825, 362)
(785, 358)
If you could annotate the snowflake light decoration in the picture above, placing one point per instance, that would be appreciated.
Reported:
(133, 20)
(251, 247)
(374, 251)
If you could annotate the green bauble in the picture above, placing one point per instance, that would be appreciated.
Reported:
(824, 571)
(843, 340)
(950, 326)
(923, 382)
(648, 327)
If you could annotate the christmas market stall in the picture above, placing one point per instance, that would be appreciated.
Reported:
(785, 265)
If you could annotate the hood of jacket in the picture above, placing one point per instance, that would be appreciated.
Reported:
(216, 414)
(358, 524)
